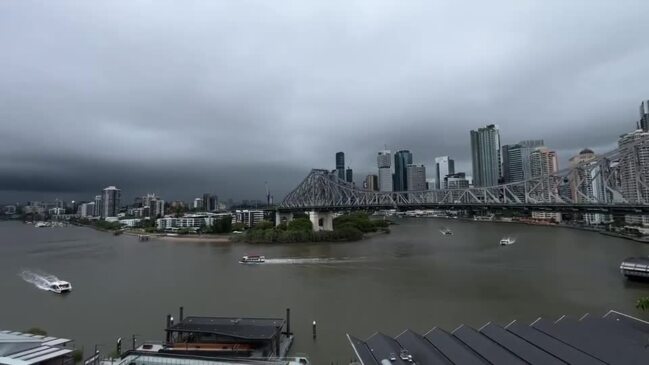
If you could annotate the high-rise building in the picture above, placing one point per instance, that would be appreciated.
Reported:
(371, 183)
(349, 175)
(210, 202)
(516, 160)
(644, 116)
(543, 162)
(384, 162)
(340, 165)
(98, 206)
(485, 154)
(443, 166)
(456, 181)
(634, 166)
(588, 184)
(416, 177)
(198, 203)
(110, 202)
(87, 210)
(402, 159)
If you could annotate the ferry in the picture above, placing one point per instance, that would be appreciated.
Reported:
(507, 241)
(60, 287)
(41, 224)
(253, 259)
(446, 231)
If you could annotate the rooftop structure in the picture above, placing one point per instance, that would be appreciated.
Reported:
(615, 338)
(17, 348)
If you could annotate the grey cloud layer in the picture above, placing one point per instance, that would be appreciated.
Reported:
(188, 96)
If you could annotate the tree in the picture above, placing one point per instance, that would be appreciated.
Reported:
(301, 225)
(642, 303)
(37, 331)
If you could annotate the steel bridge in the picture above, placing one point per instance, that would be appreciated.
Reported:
(613, 183)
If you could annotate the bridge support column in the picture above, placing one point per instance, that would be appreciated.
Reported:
(322, 221)
(282, 217)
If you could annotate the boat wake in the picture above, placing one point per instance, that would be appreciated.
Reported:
(41, 280)
(313, 261)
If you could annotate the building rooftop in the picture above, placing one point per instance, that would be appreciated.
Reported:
(243, 328)
(614, 338)
(17, 348)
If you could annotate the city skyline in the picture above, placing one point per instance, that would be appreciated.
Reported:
(158, 105)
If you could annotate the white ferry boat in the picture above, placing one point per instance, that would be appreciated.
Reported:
(507, 241)
(60, 287)
(41, 224)
(253, 259)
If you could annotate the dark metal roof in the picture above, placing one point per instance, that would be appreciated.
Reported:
(243, 328)
(614, 338)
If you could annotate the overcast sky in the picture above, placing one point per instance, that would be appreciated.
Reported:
(185, 97)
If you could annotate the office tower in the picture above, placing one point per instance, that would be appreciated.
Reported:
(384, 162)
(340, 165)
(644, 116)
(416, 177)
(198, 203)
(516, 160)
(371, 183)
(210, 202)
(443, 166)
(456, 181)
(349, 175)
(110, 202)
(402, 159)
(485, 155)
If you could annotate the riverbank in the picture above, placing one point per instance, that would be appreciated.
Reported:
(190, 238)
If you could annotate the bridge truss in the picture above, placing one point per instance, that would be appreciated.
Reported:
(618, 180)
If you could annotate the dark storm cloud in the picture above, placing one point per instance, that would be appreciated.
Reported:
(190, 96)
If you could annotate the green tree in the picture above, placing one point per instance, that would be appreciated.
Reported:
(300, 224)
(642, 303)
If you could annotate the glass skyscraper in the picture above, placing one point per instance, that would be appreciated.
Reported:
(340, 165)
(485, 155)
(402, 159)
(384, 162)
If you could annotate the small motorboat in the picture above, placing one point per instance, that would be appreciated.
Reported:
(253, 259)
(507, 241)
(446, 231)
(60, 287)
(41, 224)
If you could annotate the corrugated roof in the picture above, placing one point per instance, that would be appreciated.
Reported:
(614, 338)
(18, 348)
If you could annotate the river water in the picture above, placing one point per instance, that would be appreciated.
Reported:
(412, 278)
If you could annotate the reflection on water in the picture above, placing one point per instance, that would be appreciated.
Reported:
(414, 278)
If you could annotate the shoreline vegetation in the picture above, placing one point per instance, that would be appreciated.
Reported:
(347, 228)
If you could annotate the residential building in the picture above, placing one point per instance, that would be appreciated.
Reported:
(198, 204)
(633, 166)
(87, 210)
(587, 184)
(443, 166)
(416, 177)
(98, 206)
(384, 162)
(402, 159)
(9, 209)
(486, 155)
(349, 175)
(543, 162)
(248, 217)
(110, 202)
(457, 180)
(210, 202)
(340, 165)
(371, 183)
